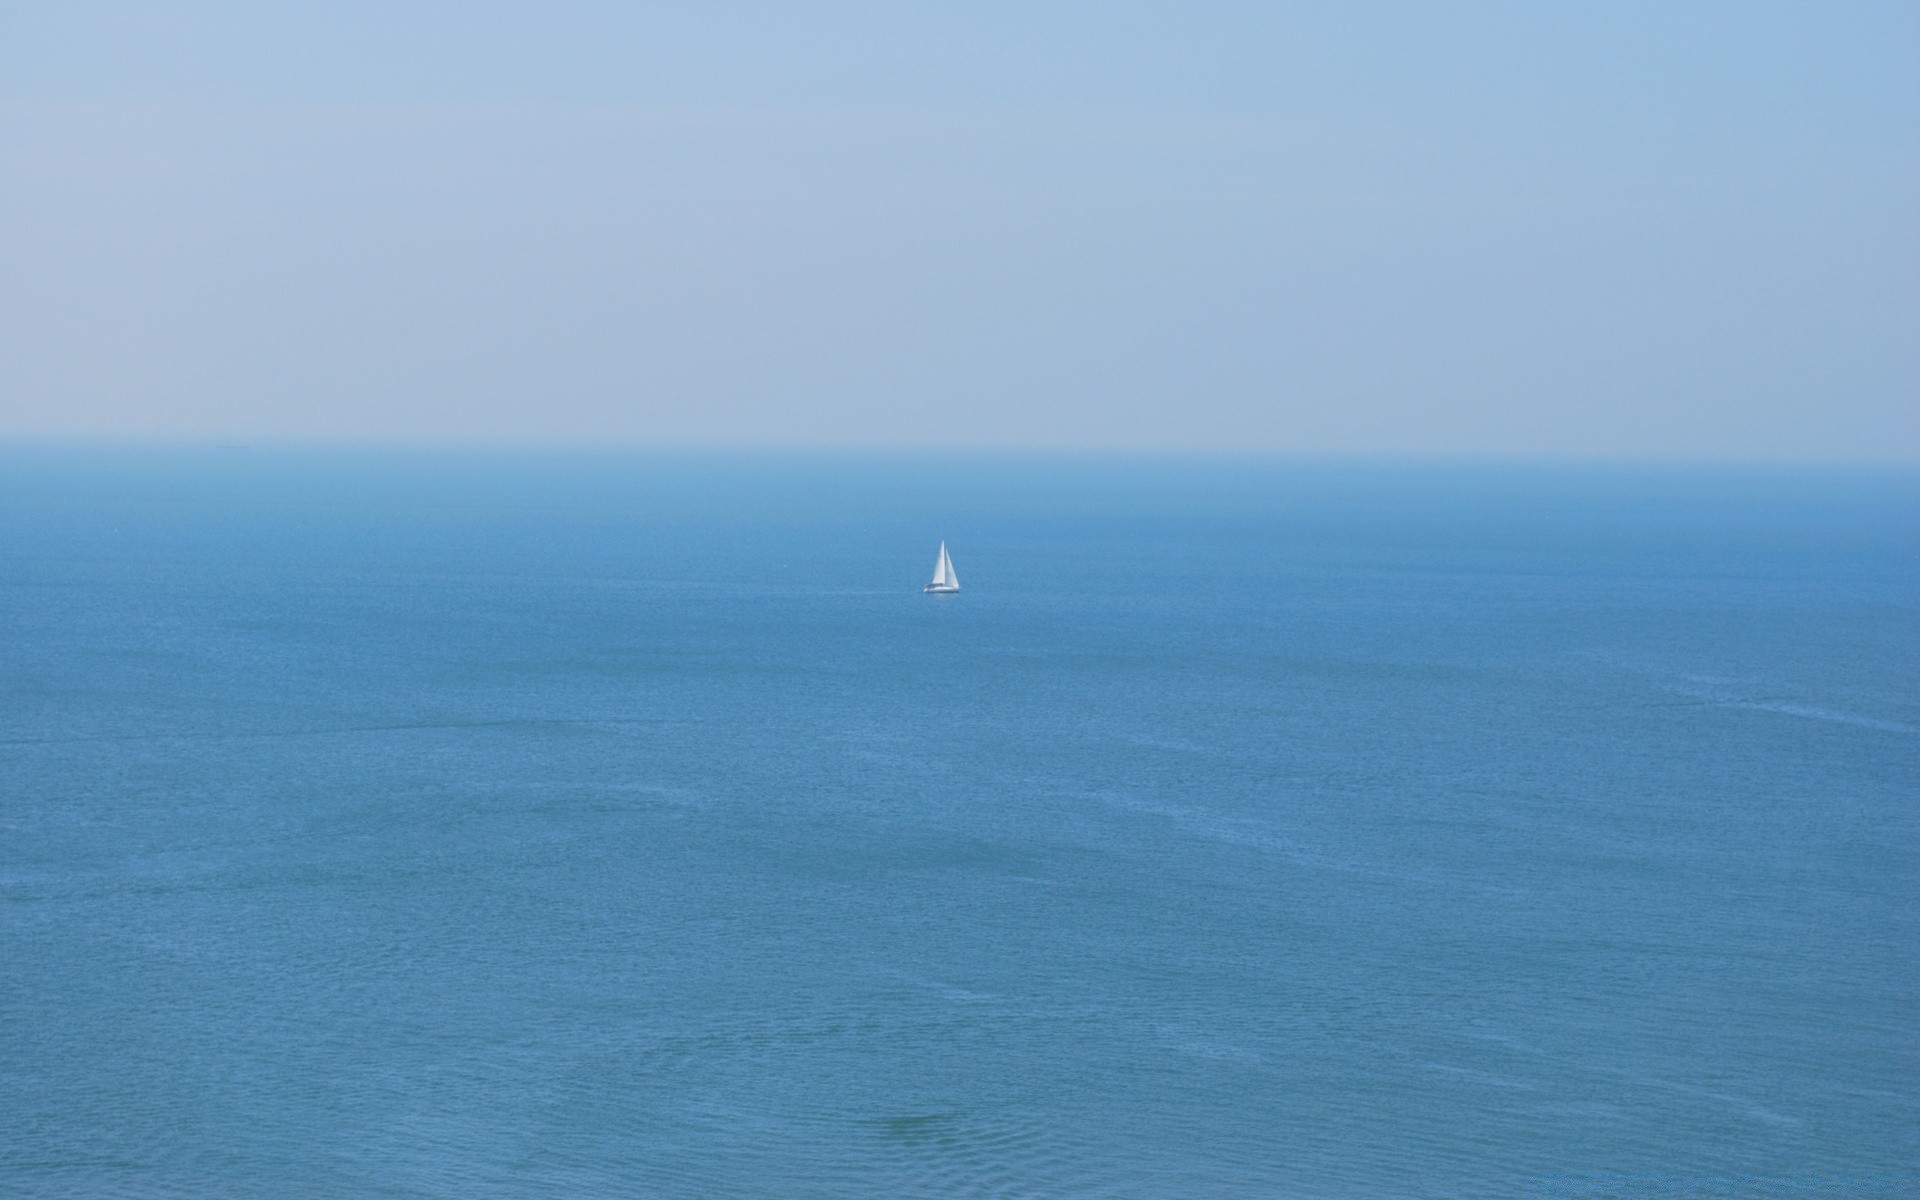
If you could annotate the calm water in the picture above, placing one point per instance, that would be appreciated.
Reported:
(469, 826)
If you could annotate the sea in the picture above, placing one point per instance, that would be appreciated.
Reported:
(513, 823)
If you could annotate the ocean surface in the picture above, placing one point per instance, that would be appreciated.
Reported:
(469, 825)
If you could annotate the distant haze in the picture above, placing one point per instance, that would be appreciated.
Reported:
(1616, 229)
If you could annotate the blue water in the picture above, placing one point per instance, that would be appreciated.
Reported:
(495, 825)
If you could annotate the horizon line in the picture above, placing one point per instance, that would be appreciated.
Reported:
(237, 443)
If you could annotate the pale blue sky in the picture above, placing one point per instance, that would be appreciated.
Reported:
(1613, 229)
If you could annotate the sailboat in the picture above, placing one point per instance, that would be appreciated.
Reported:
(944, 580)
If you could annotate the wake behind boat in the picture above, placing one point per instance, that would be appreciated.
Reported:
(944, 580)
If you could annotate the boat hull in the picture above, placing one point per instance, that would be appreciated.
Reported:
(931, 589)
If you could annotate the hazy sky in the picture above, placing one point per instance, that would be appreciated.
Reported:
(1605, 228)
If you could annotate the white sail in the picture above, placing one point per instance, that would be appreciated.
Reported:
(944, 580)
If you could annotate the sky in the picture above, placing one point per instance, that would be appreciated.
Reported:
(1615, 229)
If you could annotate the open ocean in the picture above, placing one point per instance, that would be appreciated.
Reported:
(467, 825)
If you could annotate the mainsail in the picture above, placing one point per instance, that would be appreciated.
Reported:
(944, 580)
